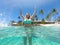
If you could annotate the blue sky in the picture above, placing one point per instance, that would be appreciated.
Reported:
(10, 9)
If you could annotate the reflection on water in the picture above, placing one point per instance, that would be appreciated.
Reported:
(42, 35)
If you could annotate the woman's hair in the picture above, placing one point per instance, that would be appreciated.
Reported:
(27, 15)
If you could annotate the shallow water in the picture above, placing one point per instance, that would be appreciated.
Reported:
(42, 35)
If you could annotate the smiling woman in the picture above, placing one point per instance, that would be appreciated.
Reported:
(12, 6)
(35, 35)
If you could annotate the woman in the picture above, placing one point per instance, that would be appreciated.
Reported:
(27, 25)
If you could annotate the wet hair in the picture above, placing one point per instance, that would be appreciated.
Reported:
(27, 15)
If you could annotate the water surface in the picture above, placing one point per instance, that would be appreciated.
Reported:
(42, 35)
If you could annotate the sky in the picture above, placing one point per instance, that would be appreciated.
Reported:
(10, 9)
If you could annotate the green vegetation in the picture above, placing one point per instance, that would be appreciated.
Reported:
(43, 21)
(41, 11)
(48, 17)
(58, 19)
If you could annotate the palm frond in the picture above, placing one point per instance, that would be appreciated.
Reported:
(41, 11)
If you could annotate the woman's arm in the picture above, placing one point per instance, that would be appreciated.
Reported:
(21, 14)
(33, 15)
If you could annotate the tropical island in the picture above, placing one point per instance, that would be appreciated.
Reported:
(35, 21)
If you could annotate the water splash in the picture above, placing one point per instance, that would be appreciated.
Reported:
(3, 25)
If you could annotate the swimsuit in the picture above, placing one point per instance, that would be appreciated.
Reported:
(28, 30)
(29, 21)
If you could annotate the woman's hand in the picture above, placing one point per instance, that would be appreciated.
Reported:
(34, 13)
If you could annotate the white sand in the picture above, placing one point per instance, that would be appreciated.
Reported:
(50, 24)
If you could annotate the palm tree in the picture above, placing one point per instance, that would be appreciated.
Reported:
(41, 11)
(20, 11)
(36, 17)
(43, 21)
(58, 19)
(48, 17)
(54, 10)
(19, 17)
(11, 22)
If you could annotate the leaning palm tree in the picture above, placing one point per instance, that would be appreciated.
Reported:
(35, 18)
(48, 17)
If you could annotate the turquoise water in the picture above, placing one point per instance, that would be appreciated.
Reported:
(42, 35)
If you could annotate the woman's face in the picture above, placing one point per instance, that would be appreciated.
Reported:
(27, 15)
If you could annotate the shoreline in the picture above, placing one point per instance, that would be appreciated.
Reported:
(41, 25)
